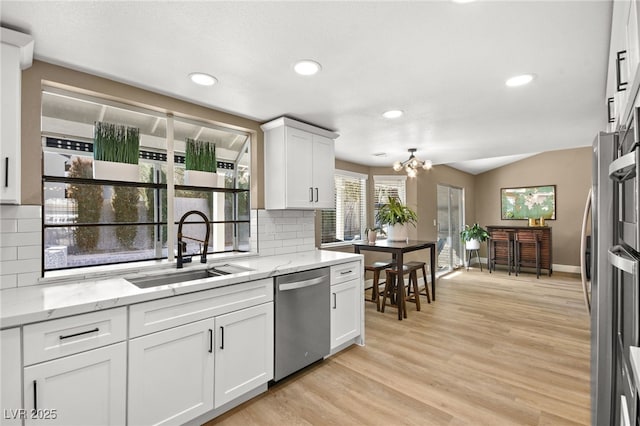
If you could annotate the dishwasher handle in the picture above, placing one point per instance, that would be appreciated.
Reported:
(302, 284)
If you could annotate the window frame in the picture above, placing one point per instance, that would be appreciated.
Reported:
(170, 159)
(364, 180)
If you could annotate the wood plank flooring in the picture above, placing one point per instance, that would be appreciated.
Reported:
(492, 350)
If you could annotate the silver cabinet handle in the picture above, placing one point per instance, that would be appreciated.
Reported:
(621, 262)
(210, 341)
(311, 194)
(346, 272)
(302, 284)
(317, 195)
(334, 301)
(221, 337)
(6, 172)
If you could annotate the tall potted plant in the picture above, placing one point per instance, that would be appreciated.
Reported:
(116, 149)
(396, 216)
(473, 236)
(201, 164)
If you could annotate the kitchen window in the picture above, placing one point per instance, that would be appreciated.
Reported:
(385, 187)
(90, 222)
(347, 222)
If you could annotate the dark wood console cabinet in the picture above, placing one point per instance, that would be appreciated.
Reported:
(528, 253)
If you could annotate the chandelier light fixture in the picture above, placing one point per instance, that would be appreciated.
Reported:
(412, 165)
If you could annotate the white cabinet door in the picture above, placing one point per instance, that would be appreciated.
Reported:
(299, 166)
(346, 302)
(323, 171)
(10, 125)
(244, 351)
(171, 375)
(10, 386)
(86, 388)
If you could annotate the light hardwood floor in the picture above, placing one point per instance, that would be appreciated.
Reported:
(492, 350)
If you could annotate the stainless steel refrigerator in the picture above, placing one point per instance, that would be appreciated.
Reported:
(614, 265)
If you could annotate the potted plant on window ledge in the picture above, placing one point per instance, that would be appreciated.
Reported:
(116, 149)
(201, 165)
(473, 236)
(397, 217)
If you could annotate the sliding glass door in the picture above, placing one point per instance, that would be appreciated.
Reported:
(450, 219)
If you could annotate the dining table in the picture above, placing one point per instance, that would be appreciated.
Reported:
(397, 250)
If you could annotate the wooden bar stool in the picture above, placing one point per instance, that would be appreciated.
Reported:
(377, 268)
(500, 249)
(414, 267)
(527, 240)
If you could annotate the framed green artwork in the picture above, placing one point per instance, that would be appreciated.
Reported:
(528, 202)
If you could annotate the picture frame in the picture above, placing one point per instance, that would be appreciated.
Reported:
(528, 202)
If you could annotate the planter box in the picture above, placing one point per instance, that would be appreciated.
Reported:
(109, 170)
(204, 179)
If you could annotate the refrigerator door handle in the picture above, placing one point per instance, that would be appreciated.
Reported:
(583, 249)
(621, 262)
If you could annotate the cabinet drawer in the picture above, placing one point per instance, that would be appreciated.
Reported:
(65, 336)
(345, 272)
(162, 314)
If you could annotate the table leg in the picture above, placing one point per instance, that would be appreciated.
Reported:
(400, 285)
(433, 272)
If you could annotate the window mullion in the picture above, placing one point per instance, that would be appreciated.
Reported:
(171, 234)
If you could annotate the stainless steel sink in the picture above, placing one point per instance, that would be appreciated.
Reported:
(184, 276)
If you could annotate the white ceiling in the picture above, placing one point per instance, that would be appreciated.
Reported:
(443, 63)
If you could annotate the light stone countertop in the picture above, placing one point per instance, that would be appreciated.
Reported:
(25, 305)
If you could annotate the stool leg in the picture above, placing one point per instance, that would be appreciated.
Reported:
(402, 304)
(376, 283)
(426, 285)
(388, 289)
(413, 279)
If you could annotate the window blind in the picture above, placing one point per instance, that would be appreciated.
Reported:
(385, 187)
(347, 222)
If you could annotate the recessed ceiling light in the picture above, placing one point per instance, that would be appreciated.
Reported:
(463, 1)
(519, 80)
(394, 113)
(202, 79)
(307, 67)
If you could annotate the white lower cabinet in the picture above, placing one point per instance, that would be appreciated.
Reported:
(81, 389)
(346, 302)
(10, 385)
(171, 374)
(243, 352)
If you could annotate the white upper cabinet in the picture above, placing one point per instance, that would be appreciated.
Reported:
(17, 55)
(624, 59)
(299, 165)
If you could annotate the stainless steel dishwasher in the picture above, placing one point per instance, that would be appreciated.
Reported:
(303, 320)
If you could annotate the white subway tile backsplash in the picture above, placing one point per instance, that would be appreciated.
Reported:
(21, 239)
(29, 252)
(29, 225)
(8, 225)
(285, 250)
(29, 278)
(20, 245)
(8, 253)
(8, 281)
(285, 231)
(20, 212)
(20, 266)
